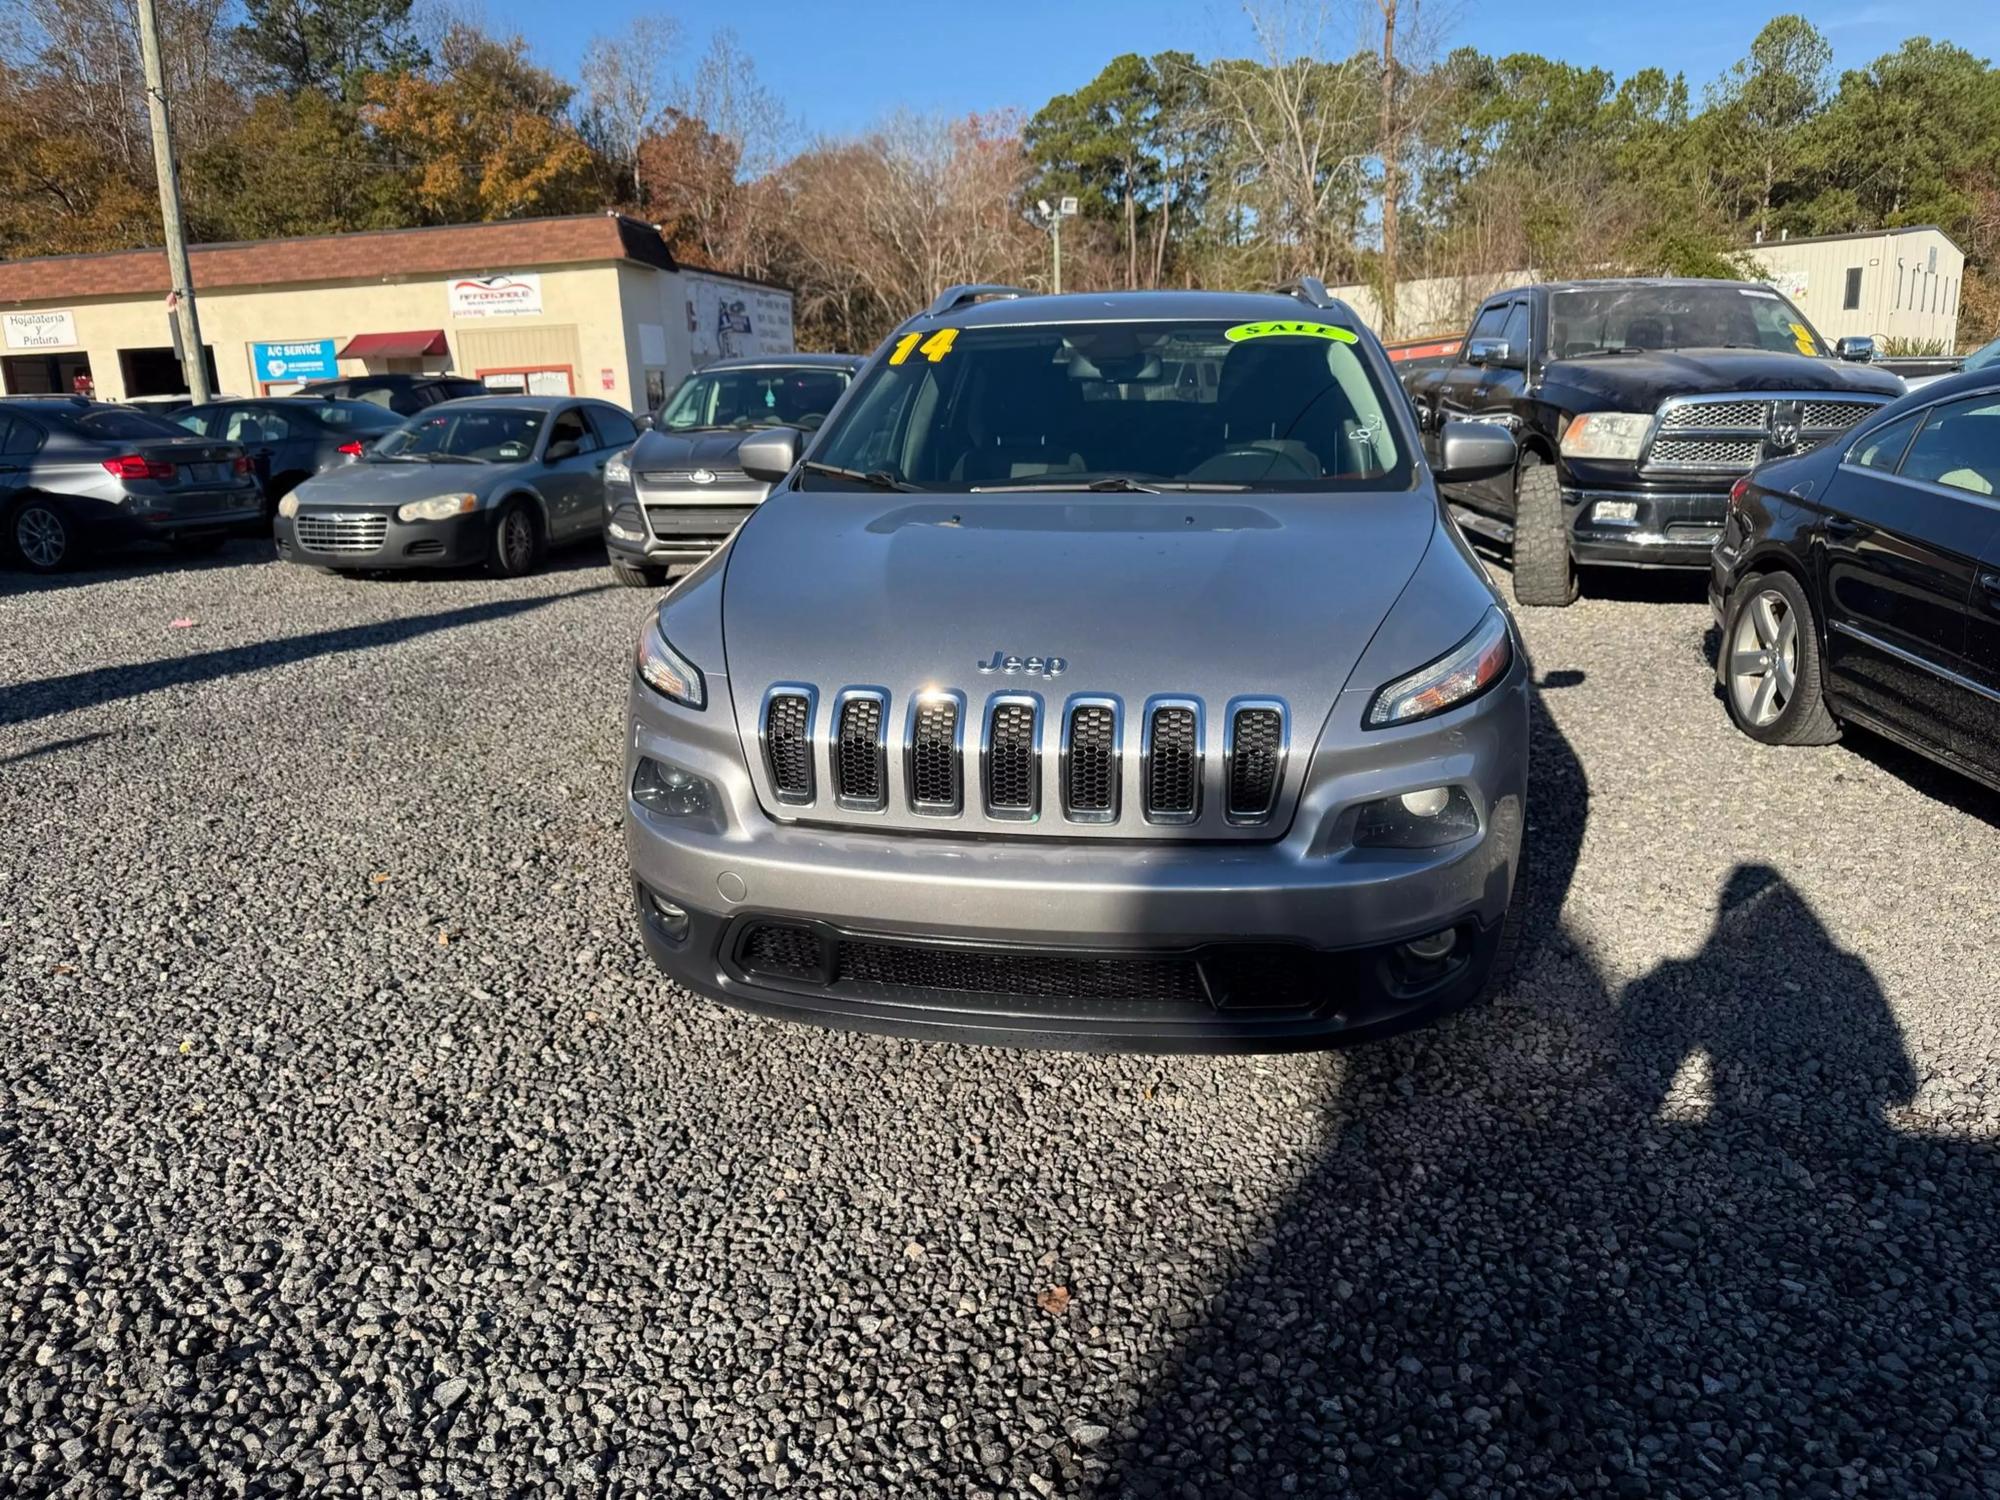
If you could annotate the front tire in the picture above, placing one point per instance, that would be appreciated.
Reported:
(517, 540)
(41, 536)
(637, 576)
(1544, 571)
(1772, 674)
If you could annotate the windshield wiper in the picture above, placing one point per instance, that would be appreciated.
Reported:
(1109, 484)
(881, 479)
(1612, 349)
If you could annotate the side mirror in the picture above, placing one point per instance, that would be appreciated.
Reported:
(1487, 352)
(770, 455)
(1856, 347)
(1469, 451)
(560, 449)
(644, 421)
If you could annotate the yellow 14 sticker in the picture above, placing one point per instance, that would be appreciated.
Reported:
(934, 348)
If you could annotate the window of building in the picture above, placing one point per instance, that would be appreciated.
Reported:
(1853, 298)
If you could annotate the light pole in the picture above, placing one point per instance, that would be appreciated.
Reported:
(1051, 219)
(194, 363)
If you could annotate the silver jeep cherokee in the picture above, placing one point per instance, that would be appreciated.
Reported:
(1107, 674)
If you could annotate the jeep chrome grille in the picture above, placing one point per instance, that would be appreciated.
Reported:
(1255, 756)
(935, 776)
(1173, 764)
(1734, 433)
(1090, 762)
(1013, 759)
(860, 769)
(788, 743)
(940, 755)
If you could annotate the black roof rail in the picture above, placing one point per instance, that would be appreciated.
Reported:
(958, 296)
(1312, 291)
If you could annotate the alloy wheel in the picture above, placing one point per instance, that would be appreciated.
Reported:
(517, 540)
(1764, 658)
(40, 534)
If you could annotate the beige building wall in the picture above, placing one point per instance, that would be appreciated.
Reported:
(1908, 283)
(582, 327)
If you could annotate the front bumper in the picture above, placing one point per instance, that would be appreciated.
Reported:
(1670, 528)
(672, 534)
(368, 538)
(1093, 943)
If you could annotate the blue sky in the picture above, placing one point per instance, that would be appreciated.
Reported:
(841, 64)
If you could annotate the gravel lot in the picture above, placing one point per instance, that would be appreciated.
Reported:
(348, 1145)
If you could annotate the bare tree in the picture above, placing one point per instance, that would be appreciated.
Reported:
(627, 85)
(1299, 127)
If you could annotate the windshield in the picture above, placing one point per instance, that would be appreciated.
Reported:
(753, 398)
(1722, 316)
(1271, 406)
(1984, 355)
(355, 414)
(480, 434)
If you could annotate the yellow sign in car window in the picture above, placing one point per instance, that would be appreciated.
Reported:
(1802, 336)
(1275, 330)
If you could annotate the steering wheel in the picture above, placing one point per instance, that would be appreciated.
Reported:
(1275, 463)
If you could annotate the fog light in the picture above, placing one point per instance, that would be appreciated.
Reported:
(1432, 946)
(671, 919)
(625, 533)
(672, 792)
(1427, 804)
(1625, 512)
(1427, 819)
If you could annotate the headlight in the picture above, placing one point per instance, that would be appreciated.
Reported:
(437, 508)
(289, 506)
(1606, 434)
(616, 470)
(666, 671)
(1461, 674)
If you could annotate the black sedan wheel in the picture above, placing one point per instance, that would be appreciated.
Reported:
(41, 537)
(1771, 664)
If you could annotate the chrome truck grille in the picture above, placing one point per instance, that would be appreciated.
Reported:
(1729, 434)
(1015, 758)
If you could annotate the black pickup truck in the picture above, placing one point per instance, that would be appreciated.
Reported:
(1635, 406)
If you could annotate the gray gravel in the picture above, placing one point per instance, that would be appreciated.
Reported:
(347, 1144)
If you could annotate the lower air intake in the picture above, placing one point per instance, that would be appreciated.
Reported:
(788, 745)
(1256, 758)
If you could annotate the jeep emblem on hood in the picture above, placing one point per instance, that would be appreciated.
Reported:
(1032, 666)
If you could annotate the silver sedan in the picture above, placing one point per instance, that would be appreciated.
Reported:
(490, 479)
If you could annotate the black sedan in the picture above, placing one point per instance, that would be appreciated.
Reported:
(1860, 583)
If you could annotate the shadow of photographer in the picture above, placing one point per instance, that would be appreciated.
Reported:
(1660, 1242)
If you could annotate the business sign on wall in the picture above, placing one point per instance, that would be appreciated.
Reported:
(308, 359)
(728, 318)
(494, 296)
(1791, 283)
(41, 330)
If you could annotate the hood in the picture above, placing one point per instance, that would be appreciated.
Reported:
(1640, 382)
(1198, 596)
(687, 450)
(393, 483)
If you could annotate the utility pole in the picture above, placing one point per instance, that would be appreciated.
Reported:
(1389, 128)
(194, 360)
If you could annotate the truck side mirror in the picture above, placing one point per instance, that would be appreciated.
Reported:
(1471, 451)
(1856, 347)
(769, 455)
(1487, 352)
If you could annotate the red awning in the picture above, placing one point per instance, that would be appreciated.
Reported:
(417, 343)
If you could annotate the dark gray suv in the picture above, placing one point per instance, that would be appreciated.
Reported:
(680, 491)
(76, 475)
(1107, 674)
